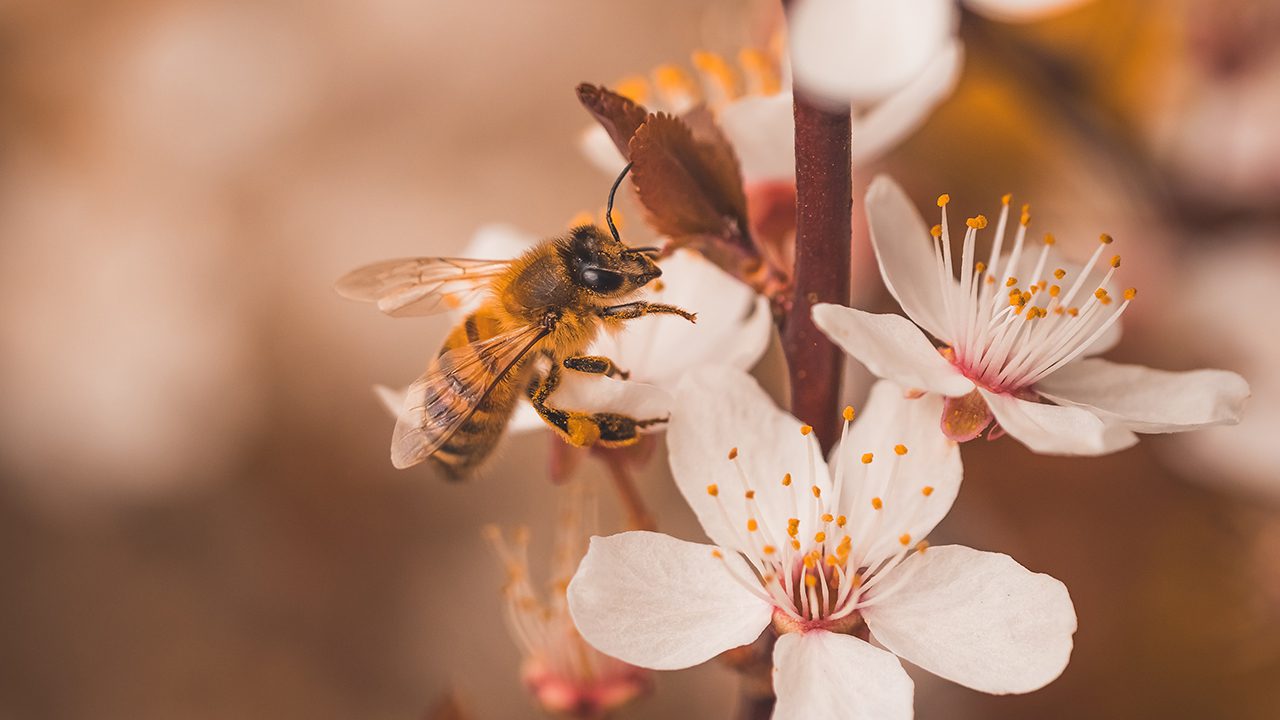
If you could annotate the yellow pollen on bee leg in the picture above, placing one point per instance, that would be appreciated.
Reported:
(806, 429)
(943, 199)
(1105, 239)
(900, 449)
(1131, 293)
(877, 503)
(848, 413)
(867, 458)
(713, 490)
(733, 453)
(634, 88)
(905, 539)
(927, 490)
(936, 231)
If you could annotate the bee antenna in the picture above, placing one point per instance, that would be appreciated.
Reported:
(608, 209)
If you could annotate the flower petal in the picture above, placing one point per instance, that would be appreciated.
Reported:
(762, 131)
(720, 408)
(734, 325)
(888, 123)
(892, 348)
(1055, 429)
(598, 393)
(657, 602)
(904, 250)
(977, 618)
(1148, 400)
(864, 50)
(1021, 10)
(824, 675)
(898, 481)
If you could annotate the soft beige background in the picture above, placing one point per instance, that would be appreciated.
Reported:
(197, 517)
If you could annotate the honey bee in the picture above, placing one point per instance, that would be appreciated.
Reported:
(549, 303)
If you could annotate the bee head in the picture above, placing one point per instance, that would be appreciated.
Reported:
(605, 266)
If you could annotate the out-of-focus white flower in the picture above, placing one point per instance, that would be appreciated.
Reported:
(866, 51)
(752, 103)
(565, 675)
(734, 327)
(1013, 336)
(1245, 457)
(825, 556)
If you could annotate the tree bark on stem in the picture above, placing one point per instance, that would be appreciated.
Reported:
(824, 231)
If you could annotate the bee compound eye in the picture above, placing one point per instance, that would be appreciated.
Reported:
(600, 280)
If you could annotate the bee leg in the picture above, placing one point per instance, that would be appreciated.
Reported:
(627, 311)
(595, 365)
(584, 429)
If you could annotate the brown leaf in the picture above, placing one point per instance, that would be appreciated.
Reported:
(691, 187)
(619, 116)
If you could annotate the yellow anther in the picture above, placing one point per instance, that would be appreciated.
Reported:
(1115, 261)
(1006, 198)
(713, 490)
(819, 537)
(1058, 310)
(634, 88)
(810, 580)
(769, 549)
(827, 517)
(1059, 273)
(1100, 293)
(806, 429)
(817, 491)
(793, 522)
(673, 80)
(717, 554)
(733, 453)
(1010, 281)
(848, 413)
(905, 539)
(943, 199)
(867, 458)
(1106, 300)
(980, 267)
(809, 561)
(752, 525)
(840, 521)
(877, 503)
(786, 480)
(927, 490)
(1049, 239)
(750, 494)
(795, 544)
(936, 231)
(756, 63)
(1054, 290)
(1131, 293)
(1105, 239)
(922, 546)
(976, 223)
(1025, 220)
(1073, 312)
(900, 449)
(582, 218)
(719, 70)
(832, 561)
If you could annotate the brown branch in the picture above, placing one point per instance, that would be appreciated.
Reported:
(638, 515)
(824, 208)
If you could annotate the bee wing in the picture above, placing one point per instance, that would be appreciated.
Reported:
(443, 399)
(419, 286)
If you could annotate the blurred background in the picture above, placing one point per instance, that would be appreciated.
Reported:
(197, 515)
